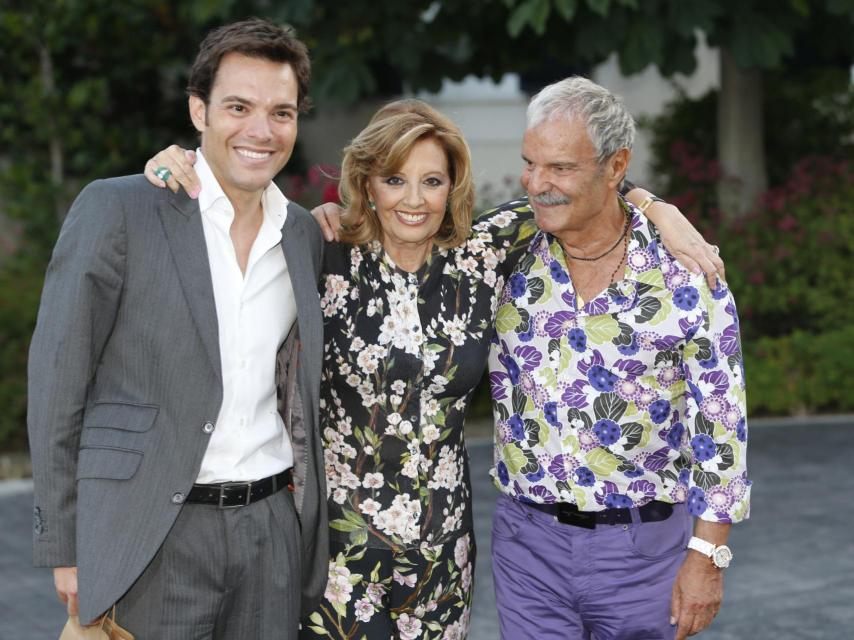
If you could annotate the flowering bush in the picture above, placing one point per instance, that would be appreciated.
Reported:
(788, 263)
(317, 186)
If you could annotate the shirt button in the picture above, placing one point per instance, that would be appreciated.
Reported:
(208, 427)
(177, 498)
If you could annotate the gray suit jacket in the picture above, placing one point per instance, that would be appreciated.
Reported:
(124, 371)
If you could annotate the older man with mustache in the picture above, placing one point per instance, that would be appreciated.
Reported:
(619, 401)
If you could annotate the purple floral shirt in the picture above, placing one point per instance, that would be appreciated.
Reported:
(637, 395)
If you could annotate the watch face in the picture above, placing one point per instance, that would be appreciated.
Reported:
(722, 557)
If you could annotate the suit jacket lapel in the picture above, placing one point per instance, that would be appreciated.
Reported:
(182, 223)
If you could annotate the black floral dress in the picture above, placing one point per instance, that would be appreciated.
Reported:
(404, 353)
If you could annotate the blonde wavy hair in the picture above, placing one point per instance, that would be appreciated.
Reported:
(382, 148)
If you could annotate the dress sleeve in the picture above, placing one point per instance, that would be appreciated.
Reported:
(507, 230)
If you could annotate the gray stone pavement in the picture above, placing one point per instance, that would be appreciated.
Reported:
(792, 576)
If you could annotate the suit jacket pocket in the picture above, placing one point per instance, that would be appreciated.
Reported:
(110, 463)
(120, 415)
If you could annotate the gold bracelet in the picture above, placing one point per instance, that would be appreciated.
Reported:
(646, 203)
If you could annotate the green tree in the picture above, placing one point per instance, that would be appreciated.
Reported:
(424, 42)
(87, 89)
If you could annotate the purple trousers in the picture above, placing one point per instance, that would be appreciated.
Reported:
(555, 580)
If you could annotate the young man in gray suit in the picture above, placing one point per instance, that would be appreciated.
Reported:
(174, 375)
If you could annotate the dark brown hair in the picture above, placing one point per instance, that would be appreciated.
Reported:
(255, 38)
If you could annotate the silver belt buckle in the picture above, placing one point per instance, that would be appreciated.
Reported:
(231, 485)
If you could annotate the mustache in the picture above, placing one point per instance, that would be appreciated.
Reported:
(550, 198)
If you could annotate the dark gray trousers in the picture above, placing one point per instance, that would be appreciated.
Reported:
(221, 574)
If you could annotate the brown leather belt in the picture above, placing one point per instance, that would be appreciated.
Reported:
(239, 494)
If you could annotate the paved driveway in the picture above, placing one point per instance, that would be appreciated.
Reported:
(792, 577)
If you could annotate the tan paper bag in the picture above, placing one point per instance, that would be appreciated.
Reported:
(106, 628)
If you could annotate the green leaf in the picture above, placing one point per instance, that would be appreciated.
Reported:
(653, 277)
(316, 618)
(801, 6)
(532, 430)
(706, 479)
(359, 538)
(663, 313)
(633, 432)
(687, 16)
(536, 289)
(646, 309)
(566, 8)
(319, 630)
(576, 414)
(519, 400)
(727, 457)
(566, 354)
(602, 463)
(540, 16)
(513, 457)
(644, 45)
(703, 425)
(530, 13)
(600, 6)
(508, 318)
(610, 406)
(354, 517)
(601, 329)
(341, 524)
(580, 497)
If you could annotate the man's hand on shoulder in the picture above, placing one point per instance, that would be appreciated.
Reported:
(65, 581)
(328, 216)
(697, 594)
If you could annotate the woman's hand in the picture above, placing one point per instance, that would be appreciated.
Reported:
(328, 216)
(686, 243)
(681, 237)
(180, 163)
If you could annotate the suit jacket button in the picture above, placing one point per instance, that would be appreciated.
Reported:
(177, 498)
(208, 427)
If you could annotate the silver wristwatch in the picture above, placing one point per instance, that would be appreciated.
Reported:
(721, 555)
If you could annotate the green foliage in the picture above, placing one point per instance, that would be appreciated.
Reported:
(684, 136)
(789, 260)
(801, 373)
(88, 89)
(359, 52)
(20, 286)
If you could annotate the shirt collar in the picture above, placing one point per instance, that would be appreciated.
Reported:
(644, 253)
(273, 201)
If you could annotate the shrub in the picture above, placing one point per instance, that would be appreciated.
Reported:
(20, 288)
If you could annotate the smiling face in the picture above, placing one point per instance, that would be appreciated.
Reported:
(411, 203)
(566, 186)
(249, 125)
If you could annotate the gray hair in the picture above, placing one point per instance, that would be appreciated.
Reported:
(609, 124)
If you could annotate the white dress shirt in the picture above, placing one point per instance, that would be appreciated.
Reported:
(254, 312)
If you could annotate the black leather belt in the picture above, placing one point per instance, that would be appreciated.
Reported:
(240, 494)
(566, 513)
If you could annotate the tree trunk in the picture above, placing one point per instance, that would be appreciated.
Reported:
(57, 170)
(741, 148)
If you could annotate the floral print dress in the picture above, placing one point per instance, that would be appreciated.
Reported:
(404, 353)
